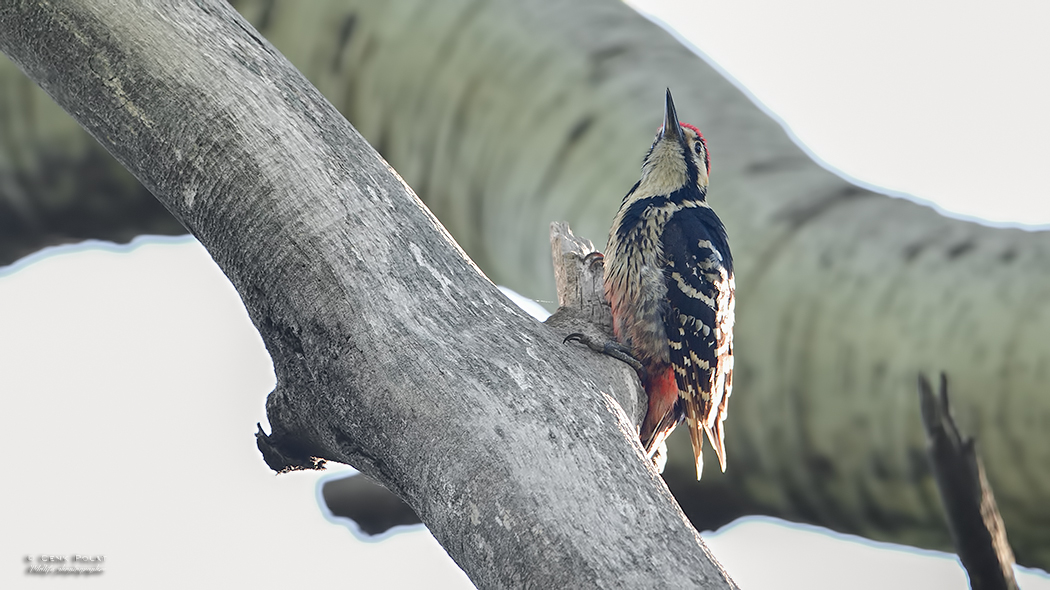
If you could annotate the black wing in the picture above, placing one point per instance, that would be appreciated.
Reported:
(699, 322)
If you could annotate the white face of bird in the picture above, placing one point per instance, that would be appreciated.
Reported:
(678, 156)
(698, 149)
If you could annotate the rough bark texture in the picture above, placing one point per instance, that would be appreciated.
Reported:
(506, 442)
(969, 504)
(507, 115)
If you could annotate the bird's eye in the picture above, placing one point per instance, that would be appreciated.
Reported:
(699, 148)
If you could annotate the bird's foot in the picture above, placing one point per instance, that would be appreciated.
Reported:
(609, 348)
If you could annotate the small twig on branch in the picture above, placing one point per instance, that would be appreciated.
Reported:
(969, 506)
(582, 308)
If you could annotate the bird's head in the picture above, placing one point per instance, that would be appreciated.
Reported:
(678, 158)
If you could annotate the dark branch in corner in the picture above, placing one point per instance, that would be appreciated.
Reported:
(973, 518)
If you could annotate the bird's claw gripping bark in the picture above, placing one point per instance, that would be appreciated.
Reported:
(609, 348)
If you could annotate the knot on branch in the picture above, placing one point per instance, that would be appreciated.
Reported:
(578, 270)
(283, 455)
(583, 309)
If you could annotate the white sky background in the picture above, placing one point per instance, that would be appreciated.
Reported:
(947, 101)
(132, 379)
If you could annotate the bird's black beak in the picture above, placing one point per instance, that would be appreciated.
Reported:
(671, 130)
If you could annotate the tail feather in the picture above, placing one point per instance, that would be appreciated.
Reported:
(697, 438)
(716, 435)
(715, 429)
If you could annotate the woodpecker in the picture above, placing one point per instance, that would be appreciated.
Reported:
(669, 279)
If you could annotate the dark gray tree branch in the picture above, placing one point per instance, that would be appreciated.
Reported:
(393, 352)
(582, 308)
(969, 505)
(504, 115)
